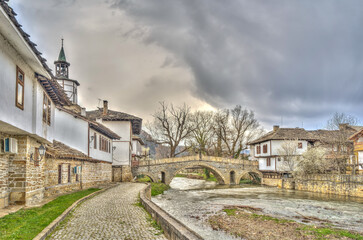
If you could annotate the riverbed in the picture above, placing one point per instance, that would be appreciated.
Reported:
(193, 201)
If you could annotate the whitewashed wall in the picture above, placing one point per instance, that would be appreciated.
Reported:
(262, 164)
(97, 153)
(122, 153)
(71, 131)
(276, 145)
(41, 128)
(262, 153)
(30, 118)
(121, 128)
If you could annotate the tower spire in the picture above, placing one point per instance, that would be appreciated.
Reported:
(62, 55)
(62, 75)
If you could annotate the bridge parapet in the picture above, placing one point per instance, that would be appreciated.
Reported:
(196, 158)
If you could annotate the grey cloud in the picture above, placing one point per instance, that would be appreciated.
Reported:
(291, 59)
(298, 59)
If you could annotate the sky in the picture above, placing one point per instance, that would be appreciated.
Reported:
(294, 63)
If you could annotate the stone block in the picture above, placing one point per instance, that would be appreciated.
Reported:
(17, 197)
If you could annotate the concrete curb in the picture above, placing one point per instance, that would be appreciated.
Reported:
(173, 228)
(46, 231)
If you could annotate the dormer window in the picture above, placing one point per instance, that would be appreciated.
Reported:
(19, 94)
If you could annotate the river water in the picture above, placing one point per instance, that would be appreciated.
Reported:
(193, 201)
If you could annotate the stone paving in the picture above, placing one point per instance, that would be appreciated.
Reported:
(109, 215)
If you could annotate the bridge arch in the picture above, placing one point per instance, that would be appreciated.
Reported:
(218, 174)
(151, 176)
(253, 172)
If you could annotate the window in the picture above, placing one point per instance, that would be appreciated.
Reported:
(268, 162)
(95, 140)
(105, 144)
(47, 109)
(299, 145)
(258, 149)
(19, 94)
(265, 148)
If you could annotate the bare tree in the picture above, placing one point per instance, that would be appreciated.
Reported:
(233, 129)
(171, 126)
(289, 154)
(202, 135)
(341, 147)
(313, 161)
(340, 118)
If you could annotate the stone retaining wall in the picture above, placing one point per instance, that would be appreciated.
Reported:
(92, 174)
(272, 182)
(173, 229)
(341, 184)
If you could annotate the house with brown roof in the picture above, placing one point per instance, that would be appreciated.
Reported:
(357, 159)
(266, 149)
(27, 109)
(42, 129)
(124, 125)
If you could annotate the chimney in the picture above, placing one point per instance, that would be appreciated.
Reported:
(343, 126)
(105, 107)
(83, 112)
(276, 127)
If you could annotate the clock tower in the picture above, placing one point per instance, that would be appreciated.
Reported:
(62, 76)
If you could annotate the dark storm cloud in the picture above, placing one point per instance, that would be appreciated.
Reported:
(290, 61)
(302, 60)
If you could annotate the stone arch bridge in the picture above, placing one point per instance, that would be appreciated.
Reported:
(227, 171)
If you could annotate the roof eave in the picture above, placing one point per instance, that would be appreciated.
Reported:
(23, 46)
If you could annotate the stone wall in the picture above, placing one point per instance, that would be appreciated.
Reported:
(21, 178)
(287, 183)
(116, 173)
(347, 185)
(24, 180)
(92, 174)
(272, 182)
(126, 174)
(34, 170)
(4, 178)
(173, 229)
(121, 174)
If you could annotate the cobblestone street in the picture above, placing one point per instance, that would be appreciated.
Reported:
(109, 215)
